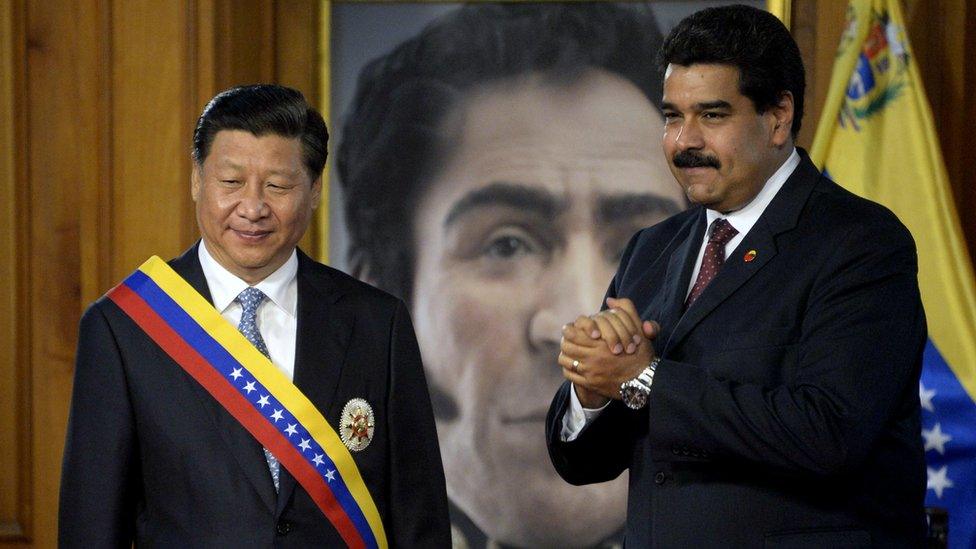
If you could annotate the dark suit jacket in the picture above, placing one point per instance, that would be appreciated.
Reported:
(785, 409)
(152, 457)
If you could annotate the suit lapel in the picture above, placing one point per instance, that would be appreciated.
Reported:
(242, 445)
(782, 214)
(734, 273)
(324, 332)
(680, 266)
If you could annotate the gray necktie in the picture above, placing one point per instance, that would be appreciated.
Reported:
(250, 299)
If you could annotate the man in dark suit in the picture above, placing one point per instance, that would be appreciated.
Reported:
(152, 457)
(757, 368)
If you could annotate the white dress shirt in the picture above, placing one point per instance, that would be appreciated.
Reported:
(743, 220)
(277, 315)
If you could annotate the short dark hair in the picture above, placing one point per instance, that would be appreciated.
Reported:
(392, 134)
(754, 41)
(263, 109)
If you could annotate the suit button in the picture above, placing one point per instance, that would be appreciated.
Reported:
(659, 478)
(283, 527)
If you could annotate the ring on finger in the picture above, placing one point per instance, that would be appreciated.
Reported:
(576, 365)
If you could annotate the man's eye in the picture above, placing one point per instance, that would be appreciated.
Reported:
(713, 115)
(506, 247)
(230, 181)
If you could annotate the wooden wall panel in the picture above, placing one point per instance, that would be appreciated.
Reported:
(244, 31)
(966, 188)
(817, 26)
(15, 462)
(152, 98)
(56, 149)
(942, 61)
(94, 131)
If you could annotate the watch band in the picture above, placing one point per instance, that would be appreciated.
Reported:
(646, 377)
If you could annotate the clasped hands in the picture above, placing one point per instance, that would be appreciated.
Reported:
(600, 352)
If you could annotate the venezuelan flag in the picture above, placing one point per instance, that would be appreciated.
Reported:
(877, 139)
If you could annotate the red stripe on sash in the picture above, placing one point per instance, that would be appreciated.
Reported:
(235, 403)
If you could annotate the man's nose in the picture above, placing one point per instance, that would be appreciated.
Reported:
(253, 205)
(689, 135)
(576, 285)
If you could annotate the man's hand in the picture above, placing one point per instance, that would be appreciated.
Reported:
(619, 326)
(593, 355)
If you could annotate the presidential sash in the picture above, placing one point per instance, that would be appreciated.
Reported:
(245, 382)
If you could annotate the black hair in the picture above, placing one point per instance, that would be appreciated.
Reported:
(264, 109)
(754, 41)
(393, 138)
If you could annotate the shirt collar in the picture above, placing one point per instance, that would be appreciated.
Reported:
(744, 218)
(280, 286)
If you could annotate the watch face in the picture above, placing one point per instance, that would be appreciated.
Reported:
(634, 397)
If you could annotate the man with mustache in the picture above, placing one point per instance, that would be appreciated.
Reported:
(756, 370)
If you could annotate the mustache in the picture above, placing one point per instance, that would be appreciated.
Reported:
(693, 159)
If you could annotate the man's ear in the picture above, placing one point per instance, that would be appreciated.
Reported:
(782, 114)
(195, 180)
(316, 193)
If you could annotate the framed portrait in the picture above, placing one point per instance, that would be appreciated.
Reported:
(489, 164)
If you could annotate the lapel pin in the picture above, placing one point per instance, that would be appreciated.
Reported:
(750, 255)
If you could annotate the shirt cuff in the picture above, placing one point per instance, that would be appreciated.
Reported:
(577, 417)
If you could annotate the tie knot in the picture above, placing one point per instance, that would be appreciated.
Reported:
(250, 299)
(722, 231)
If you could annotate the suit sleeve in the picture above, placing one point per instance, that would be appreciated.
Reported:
(418, 498)
(603, 448)
(857, 359)
(99, 488)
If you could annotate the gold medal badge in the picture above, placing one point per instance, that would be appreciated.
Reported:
(356, 424)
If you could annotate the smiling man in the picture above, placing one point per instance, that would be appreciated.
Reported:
(756, 370)
(244, 395)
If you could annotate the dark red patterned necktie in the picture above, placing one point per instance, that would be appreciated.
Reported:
(721, 232)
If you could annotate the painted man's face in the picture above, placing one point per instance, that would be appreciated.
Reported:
(520, 232)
